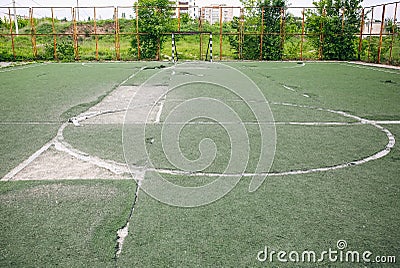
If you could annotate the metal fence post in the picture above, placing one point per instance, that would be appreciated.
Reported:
(343, 16)
(201, 36)
(381, 34)
(95, 33)
(241, 34)
(220, 32)
(137, 31)
(12, 35)
(282, 31)
(179, 18)
(117, 44)
(361, 34)
(75, 34)
(54, 34)
(302, 34)
(321, 37)
(33, 33)
(262, 33)
(370, 34)
(394, 26)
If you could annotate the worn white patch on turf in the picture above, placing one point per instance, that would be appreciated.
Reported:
(114, 99)
(112, 110)
(24, 164)
(121, 168)
(121, 234)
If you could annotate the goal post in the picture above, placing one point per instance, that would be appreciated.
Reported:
(209, 48)
(174, 50)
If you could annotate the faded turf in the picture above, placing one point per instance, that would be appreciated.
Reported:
(74, 223)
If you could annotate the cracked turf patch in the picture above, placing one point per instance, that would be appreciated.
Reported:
(53, 165)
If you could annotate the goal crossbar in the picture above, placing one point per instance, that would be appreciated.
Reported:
(175, 56)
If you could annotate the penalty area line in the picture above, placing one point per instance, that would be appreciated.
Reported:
(373, 67)
(20, 67)
(387, 122)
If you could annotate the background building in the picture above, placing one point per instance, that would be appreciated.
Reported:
(187, 7)
(212, 13)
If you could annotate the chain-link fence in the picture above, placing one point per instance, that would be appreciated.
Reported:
(239, 33)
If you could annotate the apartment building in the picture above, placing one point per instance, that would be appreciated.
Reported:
(212, 13)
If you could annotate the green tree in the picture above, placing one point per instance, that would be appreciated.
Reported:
(293, 26)
(391, 27)
(155, 18)
(333, 26)
(273, 24)
(249, 44)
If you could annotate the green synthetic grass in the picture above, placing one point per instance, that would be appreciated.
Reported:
(284, 113)
(308, 212)
(56, 91)
(298, 147)
(67, 224)
(359, 204)
(18, 142)
(360, 90)
(151, 68)
(104, 141)
(47, 95)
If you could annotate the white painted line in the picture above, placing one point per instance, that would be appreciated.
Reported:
(289, 88)
(10, 175)
(17, 68)
(29, 123)
(293, 90)
(319, 123)
(131, 76)
(61, 145)
(191, 68)
(260, 123)
(160, 109)
(119, 168)
(298, 65)
(380, 68)
(387, 122)
(389, 146)
(114, 167)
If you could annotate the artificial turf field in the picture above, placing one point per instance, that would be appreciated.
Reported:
(73, 223)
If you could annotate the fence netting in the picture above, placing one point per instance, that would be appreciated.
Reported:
(239, 33)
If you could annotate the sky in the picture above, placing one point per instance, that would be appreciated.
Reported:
(107, 13)
(29, 3)
(294, 3)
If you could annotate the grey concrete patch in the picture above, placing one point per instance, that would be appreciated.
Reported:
(59, 160)
(55, 165)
